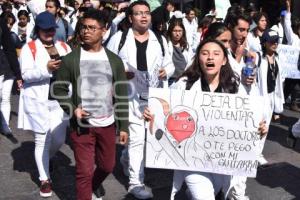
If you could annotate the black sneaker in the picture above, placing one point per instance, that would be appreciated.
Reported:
(291, 139)
(99, 192)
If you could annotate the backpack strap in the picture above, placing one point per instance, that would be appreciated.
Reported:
(259, 59)
(73, 12)
(32, 48)
(258, 66)
(157, 35)
(65, 22)
(160, 40)
(123, 39)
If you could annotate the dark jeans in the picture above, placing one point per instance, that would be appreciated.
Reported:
(95, 147)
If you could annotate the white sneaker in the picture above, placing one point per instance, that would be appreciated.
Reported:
(261, 160)
(140, 192)
(125, 166)
(239, 198)
(94, 197)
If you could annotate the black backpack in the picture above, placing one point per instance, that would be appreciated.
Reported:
(124, 35)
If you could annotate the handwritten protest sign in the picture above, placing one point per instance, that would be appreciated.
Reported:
(142, 80)
(209, 132)
(288, 58)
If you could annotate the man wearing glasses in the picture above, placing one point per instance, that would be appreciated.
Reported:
(147, 65)
(98, 105)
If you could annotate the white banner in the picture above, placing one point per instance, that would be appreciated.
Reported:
(288, 58)
(208, 132)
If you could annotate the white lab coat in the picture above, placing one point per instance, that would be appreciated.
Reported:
(29, 30)
(191, 32)
(291, 37)
(253, 42)
(278, 100)
(33, 103)
(187, 54)
(279, 29)
(155, 59)
(235, 65)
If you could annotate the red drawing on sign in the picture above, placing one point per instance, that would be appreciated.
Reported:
(181, 125)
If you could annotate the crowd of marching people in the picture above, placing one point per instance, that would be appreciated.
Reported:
(86, 67)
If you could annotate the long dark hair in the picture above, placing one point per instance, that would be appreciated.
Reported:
(256, 19)
(177, 22)
(229, 80)
(215, 30)
(8, 15)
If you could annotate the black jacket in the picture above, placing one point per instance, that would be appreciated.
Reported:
(9, 51)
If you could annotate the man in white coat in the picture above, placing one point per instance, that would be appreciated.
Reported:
(239, 26)
(190, 23)
(148, 65)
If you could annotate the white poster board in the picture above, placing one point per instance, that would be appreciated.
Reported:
(208, 132)
(142, 80)
(36, 6)
(288, 58)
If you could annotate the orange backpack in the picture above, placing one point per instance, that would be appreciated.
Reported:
(32, 47)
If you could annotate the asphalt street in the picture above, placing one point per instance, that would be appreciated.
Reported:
(19, 176)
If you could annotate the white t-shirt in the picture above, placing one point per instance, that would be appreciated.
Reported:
(96, 88)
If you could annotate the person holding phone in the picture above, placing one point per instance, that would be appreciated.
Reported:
(38, 110)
